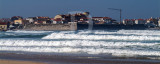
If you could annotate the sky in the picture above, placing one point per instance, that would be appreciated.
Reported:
(131, 9)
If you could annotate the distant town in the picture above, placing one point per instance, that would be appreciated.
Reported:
(18, 22)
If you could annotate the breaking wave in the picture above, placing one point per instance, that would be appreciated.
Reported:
(24, 34)
(82, 46)
(117, 42)
(97, 36)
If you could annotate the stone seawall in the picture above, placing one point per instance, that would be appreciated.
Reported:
(51, 27)
(112, 27)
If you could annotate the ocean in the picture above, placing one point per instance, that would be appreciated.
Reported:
(91, 42)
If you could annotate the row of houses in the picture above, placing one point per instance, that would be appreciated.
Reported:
(104, 20)
(82, 18)
(149, 22)
(3, 26)
(77, 17)
(18, 22)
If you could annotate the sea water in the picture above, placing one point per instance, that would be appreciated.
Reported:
(95, 42)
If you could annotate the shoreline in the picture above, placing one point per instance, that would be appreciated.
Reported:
(63, 59)
(4, 61)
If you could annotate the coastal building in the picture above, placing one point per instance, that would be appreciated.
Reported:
(153, 21)
(16, 18)
(31, 19)
(62, 19)
(25, 22)
(5, 20)
(3, 26)
(140, 21)
(53, 22)
(41, 20)
(98, 20)
(58, 21)
(86, 13)
(102, 20)
(77, 17)
(84, 20)
(18, 21)
(58, 17)
(66, 19)
(20, 24)
(128, 21)
(150, 23)
(159, 23)
(81, 18)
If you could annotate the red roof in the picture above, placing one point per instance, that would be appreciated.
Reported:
(52, 18)
(58, 19)
(140, 19)
(3, 23)
(107, 18)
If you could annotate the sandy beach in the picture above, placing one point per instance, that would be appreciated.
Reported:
(18, 62)
(62, 59)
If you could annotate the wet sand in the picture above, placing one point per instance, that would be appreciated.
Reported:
(64, 59)
(18, 62)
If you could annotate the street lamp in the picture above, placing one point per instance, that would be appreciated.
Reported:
(120, 13)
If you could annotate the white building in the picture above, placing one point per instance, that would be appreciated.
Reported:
(31, 20)
(150, 23)
(140, 21)
(128, 21)
(106, 20)
(159, 22)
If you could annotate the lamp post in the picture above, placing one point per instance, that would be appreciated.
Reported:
(120, 10)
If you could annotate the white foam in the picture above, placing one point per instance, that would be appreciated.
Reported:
(132, 32)
(11, 42)
(78, 46)
(21, 31)
(87, 42)
(82, 50)
(99, 37)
